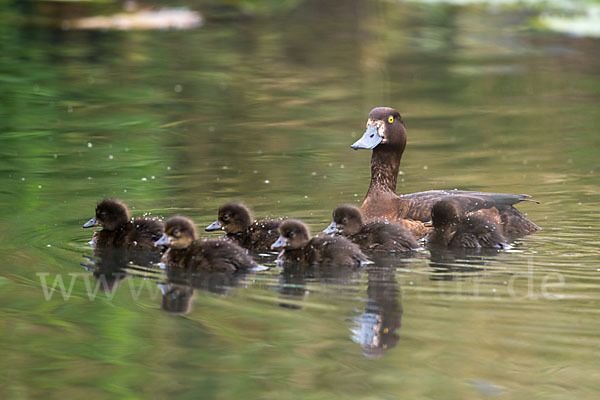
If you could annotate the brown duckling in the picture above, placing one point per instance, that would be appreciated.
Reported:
(236, 220)
(120, 231)
(186, 251)
(450, 229)
(386, 136)
(298, 247)
(373, 236)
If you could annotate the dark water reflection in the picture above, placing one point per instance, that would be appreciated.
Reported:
(262, 107)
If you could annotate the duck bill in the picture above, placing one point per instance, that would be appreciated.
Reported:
(92, 222)
(369, 140)
(215, 226)
(279, 244)
(163, 241)
(332, 228)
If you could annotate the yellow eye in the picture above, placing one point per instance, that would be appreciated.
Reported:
(391, 120)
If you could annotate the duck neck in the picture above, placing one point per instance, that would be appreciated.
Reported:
(385, 163)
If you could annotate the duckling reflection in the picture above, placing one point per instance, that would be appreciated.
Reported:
(107, 266)
(375, 329)
(176, 298)
(296, 278)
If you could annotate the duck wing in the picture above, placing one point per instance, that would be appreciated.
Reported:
(419, 204)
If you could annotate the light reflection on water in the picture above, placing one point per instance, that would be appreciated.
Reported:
(265, 113)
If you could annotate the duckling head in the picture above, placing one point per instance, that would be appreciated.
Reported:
(180, 232)
(233, 218)
(110, 215)
(443, 214)
(347, 220)
(385, 129)
(293, 234)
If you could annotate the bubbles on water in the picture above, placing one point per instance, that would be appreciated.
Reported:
(267, 181)
(144, 179)
(89, 144)
(152, 177)
(313, 173)
(110, 157)
(23, 179)
(168, 167)
(48, 245)
(39, 186)
(56, 156)
(178, 88)
(89, 178)
(70, 109)
(425, 167)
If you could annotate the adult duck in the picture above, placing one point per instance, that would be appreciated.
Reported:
(386, 136)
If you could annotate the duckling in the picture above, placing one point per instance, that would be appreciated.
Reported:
(453, 230)
(374, 236)
(186, 251)
(298, 247)
(386, 137)
(120, 231)
(236, 220)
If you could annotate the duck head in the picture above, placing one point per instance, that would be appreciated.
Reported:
(110, 215)
(233, 218)
(293, 234)
(385, 128)
(180, 232)
(347, 220)
(443, 214)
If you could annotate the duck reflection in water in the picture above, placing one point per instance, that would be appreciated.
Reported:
(295, 280)
(181, 284)
(108, 267)
(376, 328)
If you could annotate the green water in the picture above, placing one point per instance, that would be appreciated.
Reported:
(263, 108)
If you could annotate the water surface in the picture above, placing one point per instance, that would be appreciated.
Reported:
(263, 108)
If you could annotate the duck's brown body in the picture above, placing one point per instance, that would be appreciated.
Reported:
(186, 251)
(236, 219)
(388, 141)
(372, 236)
(120, 231)
(299, 247)
(138, 234)
(258, 237)
(450, 229)
(217, 255)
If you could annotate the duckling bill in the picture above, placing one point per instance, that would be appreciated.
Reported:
(186, 251)
(297, 246)
(236, 220)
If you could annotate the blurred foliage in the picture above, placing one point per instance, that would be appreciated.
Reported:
(261, 105)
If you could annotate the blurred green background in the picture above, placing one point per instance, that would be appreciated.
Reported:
(259, 101)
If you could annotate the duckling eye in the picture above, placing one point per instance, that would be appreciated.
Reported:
(226, 217)
(391, 119)
(176, 232)
(345, 220)
(291, 234)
